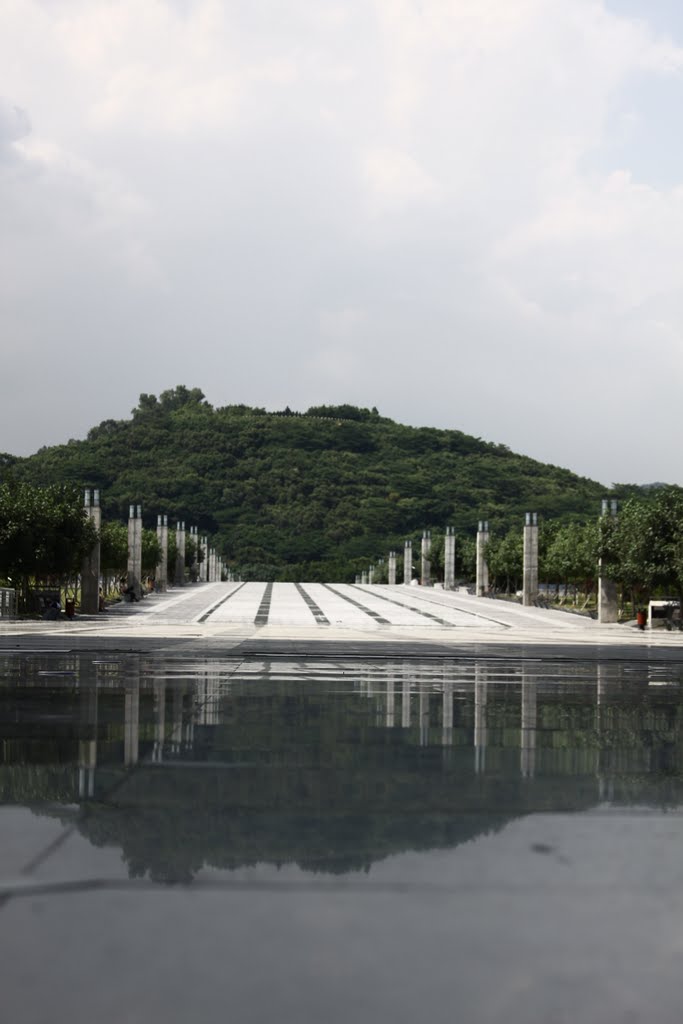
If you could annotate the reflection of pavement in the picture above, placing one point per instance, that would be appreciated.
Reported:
(313, 612)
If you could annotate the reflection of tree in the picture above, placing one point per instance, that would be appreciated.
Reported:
(171, 821)
(307, 777)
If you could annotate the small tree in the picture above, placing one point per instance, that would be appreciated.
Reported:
(44, 534)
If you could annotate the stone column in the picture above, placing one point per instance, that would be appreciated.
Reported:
(138, 549)
(530, 563)
(162, 568)
(392, 569)
(358, 579)
(364, 578)
(194, 574)
(449, 559)
(371, 574)
(608, 603)
(482, 585)
(425, 564)
(180, 558)
(407, 563)
(90, 568)
(135, 549)
(204, 564)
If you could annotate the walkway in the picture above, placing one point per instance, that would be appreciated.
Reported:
(312, 612)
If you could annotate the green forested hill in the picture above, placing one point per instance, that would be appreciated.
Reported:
(312, 495)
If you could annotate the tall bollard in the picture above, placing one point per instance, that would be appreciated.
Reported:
(449, 559)
(608, 601)
(194, 567)
(135, 552)
(482, 584)
(530, 563)
(425, 564)
(180, 557)
(408, 563)
(162, 568)
(90, 568)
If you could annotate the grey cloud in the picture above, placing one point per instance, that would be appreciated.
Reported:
(14, 123)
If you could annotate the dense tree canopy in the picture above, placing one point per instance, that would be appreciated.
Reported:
(44, 531)
(313, 495)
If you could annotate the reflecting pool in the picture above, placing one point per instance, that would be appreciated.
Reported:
(185, 838)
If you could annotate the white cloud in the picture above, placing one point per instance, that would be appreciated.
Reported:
(208, 176)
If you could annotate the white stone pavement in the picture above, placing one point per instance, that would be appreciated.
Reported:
(340, 612)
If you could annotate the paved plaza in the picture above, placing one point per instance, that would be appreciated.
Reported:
(311, 613)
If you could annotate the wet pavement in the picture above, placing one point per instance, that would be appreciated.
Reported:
(193, 837)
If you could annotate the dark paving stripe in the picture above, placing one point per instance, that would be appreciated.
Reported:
(357, 604)
(318, 613)
(220, 604)
(412, 608)
(264, 608)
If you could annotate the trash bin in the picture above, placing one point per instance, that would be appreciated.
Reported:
(641, 618)
(69, 608)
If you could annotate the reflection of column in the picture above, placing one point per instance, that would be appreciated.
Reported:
(447, 716)
(601, 685)
(480, 729)
(159, 721)
(424, 713)
(528, 733)
(390, 700)
(87, 749)
(208, 693)
(176, 737)
(131, 724)
(405, 700)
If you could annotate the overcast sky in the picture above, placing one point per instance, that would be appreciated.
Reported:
(468, 213)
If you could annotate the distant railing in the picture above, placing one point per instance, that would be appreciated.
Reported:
(8, 602)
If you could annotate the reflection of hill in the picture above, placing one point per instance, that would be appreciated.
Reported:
(329, 781)
(170, 821)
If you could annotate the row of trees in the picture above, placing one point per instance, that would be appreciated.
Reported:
(45, 534)
(641, 549)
